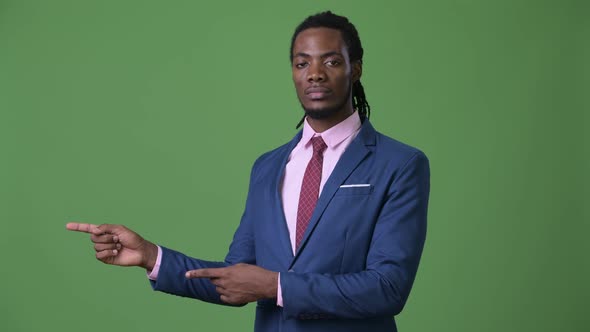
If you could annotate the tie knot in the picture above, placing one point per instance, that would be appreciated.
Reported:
(318, 145)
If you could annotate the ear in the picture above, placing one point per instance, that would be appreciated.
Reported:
(357, 71)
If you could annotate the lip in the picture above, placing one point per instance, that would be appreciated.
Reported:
(317, 92)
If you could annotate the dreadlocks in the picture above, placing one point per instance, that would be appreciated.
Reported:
(355, 52)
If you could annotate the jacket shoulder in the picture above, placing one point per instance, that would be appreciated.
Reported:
(270, 161)
(386, 143)
(394, 151)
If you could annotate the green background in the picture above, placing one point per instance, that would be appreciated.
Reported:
(150, 114)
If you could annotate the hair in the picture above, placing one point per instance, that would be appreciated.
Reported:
(351, 38)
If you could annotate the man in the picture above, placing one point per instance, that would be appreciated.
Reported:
(335, 220)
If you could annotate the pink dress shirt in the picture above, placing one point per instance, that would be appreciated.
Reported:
(337, 138)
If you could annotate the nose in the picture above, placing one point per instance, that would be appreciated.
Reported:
(316, 73)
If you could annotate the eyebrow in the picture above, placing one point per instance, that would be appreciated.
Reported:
(325, 55)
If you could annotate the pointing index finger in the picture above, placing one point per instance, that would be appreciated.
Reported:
(85, 228)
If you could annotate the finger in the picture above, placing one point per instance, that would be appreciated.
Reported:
(228, 299)
(106, 254)
(107, 246)
(112, 229)
(85, 228)
(206, 273)
(221, 291)
(104, 238)
(220, 282)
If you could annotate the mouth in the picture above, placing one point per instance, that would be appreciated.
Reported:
(317, 92)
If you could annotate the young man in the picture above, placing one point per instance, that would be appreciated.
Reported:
(335, 220)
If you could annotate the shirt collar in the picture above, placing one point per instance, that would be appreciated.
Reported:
(335, 135)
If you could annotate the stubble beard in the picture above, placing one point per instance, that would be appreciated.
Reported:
(327, 112)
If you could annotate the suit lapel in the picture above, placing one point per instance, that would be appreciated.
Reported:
(356, 152)
(283, 230)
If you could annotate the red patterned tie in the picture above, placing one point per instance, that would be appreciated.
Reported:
(310, 188)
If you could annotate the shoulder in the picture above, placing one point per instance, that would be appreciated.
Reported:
(271, 161)
(399, 164)
(390, 150)
(272, 156)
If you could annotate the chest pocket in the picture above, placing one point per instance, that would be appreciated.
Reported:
(354, 189)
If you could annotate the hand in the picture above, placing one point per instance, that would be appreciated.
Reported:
(118, 245)
(240, 283)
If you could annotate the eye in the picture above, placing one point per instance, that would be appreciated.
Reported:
(332, 63)
(300, 65)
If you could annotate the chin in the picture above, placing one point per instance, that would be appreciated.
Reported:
(317, 115)
(323, 112)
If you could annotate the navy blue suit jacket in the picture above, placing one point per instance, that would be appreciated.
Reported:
(357, 261)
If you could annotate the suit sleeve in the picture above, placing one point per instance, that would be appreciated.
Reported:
(392, 261)
(171, 277)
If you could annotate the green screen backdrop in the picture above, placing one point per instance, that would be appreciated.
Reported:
(109, 111)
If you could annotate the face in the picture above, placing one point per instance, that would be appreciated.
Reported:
(323, 74)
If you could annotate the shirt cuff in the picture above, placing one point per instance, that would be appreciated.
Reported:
(279, 292)
(153, 275)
